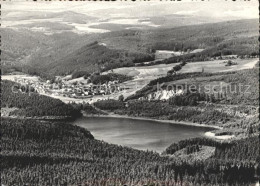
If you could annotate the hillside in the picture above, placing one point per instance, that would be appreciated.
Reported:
(34, 151)
(24, 50)
(22, 101)
(95, 57)
(65, 52)
(246, 79)
(202, 36)
(127, 47)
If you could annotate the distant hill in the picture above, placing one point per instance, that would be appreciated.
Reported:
(187, 37)
(67, 52)
(122, 48)
(25, 50)
(68, 16)
(93, 57)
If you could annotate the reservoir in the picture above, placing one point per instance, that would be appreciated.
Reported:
(139, 134)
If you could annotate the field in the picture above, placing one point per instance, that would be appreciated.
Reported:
(155, 71)
(143, 75)
(219, 66)
(25, 77)
(145, 71)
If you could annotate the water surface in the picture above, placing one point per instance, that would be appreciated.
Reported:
(138, 134)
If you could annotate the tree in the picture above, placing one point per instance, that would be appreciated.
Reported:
(121, 98)
(229, 63)
(250, 130)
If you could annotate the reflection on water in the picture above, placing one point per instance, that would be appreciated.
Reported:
(139, 134)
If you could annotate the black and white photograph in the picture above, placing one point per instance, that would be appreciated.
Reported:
(130, 93)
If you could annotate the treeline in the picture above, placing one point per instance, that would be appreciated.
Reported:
(244, 149)
(239, 150)
(191, 149)
(214, 47)
(206, 114)
(176, 68)
(87, 108)
(109, 104)
(152, 86)
(226, 38)
(87, 60)
(97, 78)
(73, 157)
(78, 74)
(40, 130)
(32, 104)
(242, 86)
(101, 79)
(190, 99)
(170, 78)
(192, 141)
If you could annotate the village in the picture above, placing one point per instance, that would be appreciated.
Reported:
(78, 90)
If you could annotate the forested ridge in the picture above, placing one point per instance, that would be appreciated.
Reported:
(241, 150)
(90, 58)
(109, 104)
(105, 78)
(73, 157)
(152, 86)
(30, 103)
(87, 108)
(202, 113)
(129, 47)
(243, 85)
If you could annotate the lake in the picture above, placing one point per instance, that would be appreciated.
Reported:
(138, 134)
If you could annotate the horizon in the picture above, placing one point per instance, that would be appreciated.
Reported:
(93, 17)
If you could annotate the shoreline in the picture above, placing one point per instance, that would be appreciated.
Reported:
(223, 137)
(186, 123)
(51, 118)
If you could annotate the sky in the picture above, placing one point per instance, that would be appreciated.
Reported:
(217, 8)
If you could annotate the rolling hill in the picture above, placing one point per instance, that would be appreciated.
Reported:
(66, 52)
(95, 57)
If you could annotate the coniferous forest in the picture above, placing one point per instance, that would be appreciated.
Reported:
(117, 71)
(44, 149)
(30, 104)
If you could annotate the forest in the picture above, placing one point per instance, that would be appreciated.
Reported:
(87, 108)
(101, 79)
(246, 149)
(109, 104)
(128, 47)
(203, 114)
(247, 79)
(31, 104)
(38, 152)
(90, 58)
(152, 86)
(75, 158)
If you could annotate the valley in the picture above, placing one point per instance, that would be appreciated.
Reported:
(141, 76)
(118, 95)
